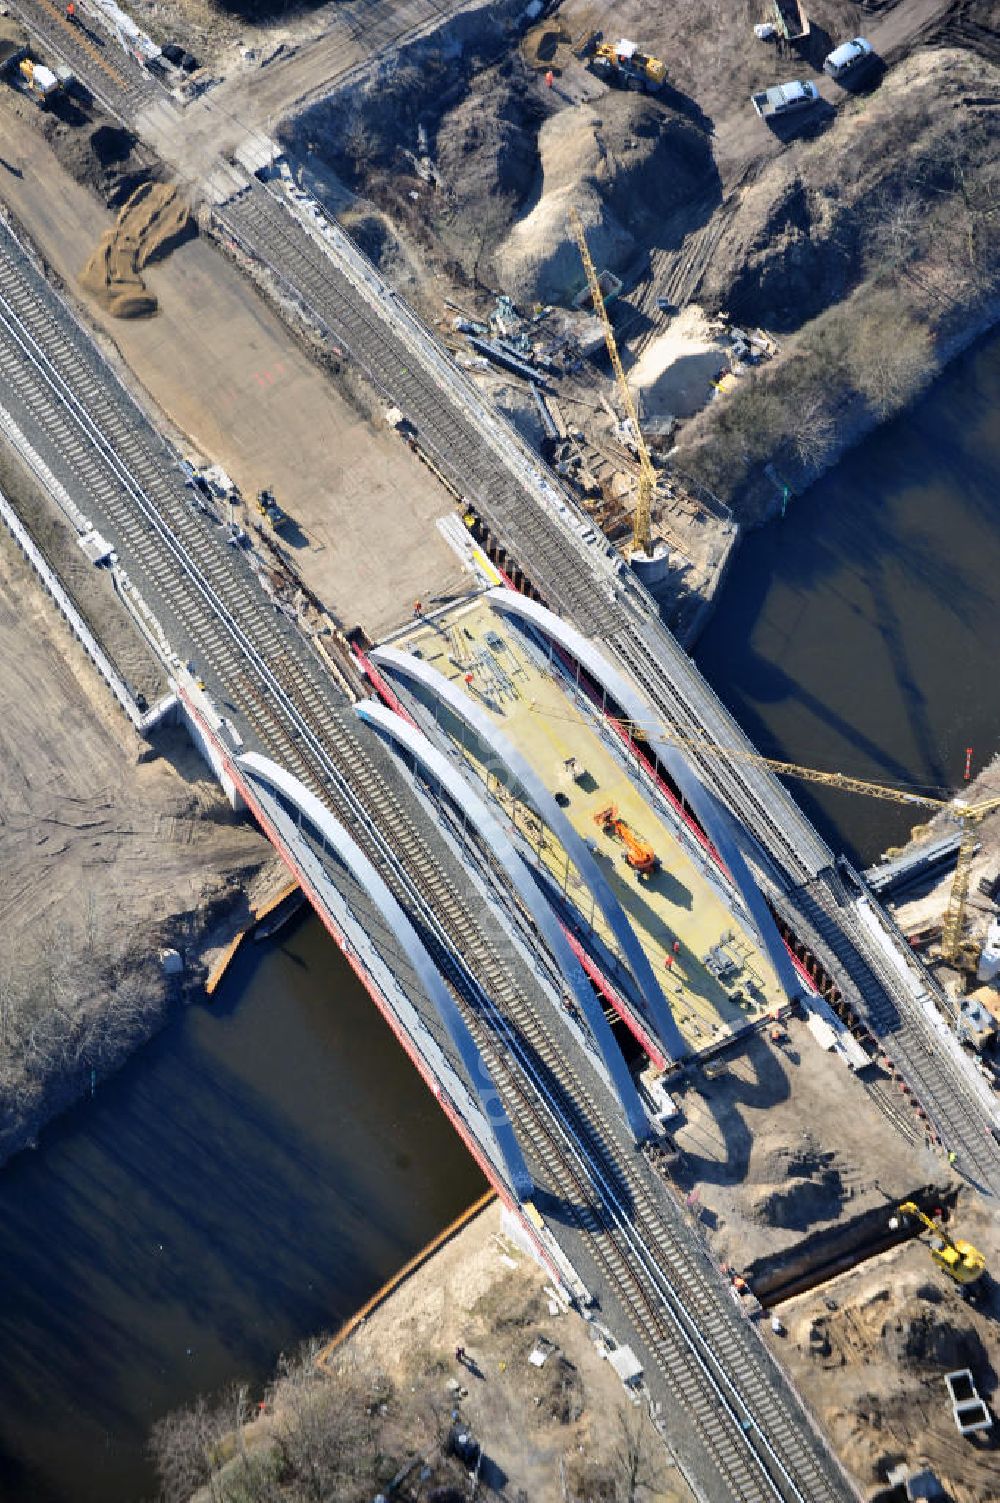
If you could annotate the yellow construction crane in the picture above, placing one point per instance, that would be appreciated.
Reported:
(958, 1259)
(954, 949)
(642, 537)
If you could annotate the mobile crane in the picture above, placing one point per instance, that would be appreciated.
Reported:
(638, 853)
(962, 1262)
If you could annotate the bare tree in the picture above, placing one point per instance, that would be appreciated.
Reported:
(359, 146)
(890, 360)
(184, 1447)
(812, 428)
(638, 1468)
(896, 230)
(325, 1436)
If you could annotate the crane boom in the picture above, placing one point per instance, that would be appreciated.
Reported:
(642, 521)
(968, 815)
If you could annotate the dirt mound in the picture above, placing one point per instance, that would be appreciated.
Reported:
(625, 166)
(105, 157)
(916, 1337)
(545, 45)
(488, 143)
(152, 222)
(797, 1187)
(676, 368)
(800, 1205)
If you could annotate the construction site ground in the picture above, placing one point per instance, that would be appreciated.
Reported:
(551, 1432)
(465, 171)
(780, 1139)
(869, 1351)
(237, 388)
(680, 916)
(780, 1142)
(105, 852)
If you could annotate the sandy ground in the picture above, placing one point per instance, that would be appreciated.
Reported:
(482, 1293)
(85, 824)
(784, 1141)
(869, 1351)
(229, 375)
(676, 369)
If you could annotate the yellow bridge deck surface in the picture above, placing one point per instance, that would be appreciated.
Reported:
(535, 710)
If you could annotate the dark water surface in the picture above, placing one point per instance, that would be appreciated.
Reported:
(247, 1181)
(267, 1161)
(862, 632)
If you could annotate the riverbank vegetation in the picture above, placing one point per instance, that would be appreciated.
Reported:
(106, 853)
(384, 1411)
(900, 214)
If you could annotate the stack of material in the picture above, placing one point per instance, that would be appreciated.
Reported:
(151, 223)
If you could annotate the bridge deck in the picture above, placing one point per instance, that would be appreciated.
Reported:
(716, 979)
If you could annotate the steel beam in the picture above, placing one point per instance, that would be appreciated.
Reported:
(489, 830)
(346, 849)
(404, 665)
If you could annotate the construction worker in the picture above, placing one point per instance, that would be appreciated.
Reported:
(71, 11)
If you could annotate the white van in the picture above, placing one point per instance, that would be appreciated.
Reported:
(847, 57)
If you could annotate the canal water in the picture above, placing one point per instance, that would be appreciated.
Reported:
(860, 634)
(246, 1182)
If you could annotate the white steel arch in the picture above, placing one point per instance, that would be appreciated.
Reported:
(482, 819)
(405, 666)
(357, 863)
(722, 829)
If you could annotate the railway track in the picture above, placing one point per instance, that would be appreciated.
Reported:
(114, 78)
(753, 1436)
(572, 573)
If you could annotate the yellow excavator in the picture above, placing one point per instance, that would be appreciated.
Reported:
(963, 1263)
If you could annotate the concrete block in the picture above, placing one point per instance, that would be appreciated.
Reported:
(626, 1364)
(973, 1416)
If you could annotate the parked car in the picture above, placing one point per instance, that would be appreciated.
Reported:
(784, 99)
(848, 57)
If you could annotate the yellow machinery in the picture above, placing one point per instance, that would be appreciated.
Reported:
(958, 1259)
(622, 62)
(40, 82)
(955, 948)
(642, 538)
(638, 853)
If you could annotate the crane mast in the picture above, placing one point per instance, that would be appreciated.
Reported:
(642, 521)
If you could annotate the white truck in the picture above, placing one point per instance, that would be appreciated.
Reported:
(784, 99)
